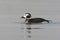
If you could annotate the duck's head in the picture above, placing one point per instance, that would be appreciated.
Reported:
(26, 15)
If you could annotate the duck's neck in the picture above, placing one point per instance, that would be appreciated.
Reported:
(26, 20)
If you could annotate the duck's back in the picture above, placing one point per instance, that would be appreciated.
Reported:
(36, 20)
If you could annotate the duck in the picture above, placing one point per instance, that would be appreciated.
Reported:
(29, 20)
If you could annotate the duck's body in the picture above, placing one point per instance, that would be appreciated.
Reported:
(35, 20)
(28, 19)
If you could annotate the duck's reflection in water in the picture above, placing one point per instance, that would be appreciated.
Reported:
(28, 30)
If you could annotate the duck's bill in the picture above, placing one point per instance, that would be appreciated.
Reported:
(22, 17)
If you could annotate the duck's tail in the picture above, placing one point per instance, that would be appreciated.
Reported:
(49, 21)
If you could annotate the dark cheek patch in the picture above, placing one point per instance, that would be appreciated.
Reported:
(28, 16)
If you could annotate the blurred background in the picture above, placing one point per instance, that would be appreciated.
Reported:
(40, 8)
(12, 10)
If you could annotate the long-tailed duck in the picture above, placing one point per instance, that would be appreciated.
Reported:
(28, 19)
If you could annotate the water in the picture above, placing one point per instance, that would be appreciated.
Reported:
(12, 27)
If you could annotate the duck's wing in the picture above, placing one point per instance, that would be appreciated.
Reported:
(37, 19)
